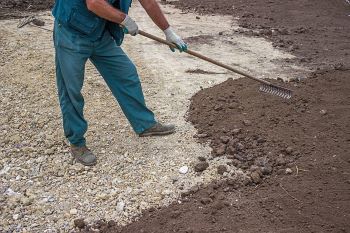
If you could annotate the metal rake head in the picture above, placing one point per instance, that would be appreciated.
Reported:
(25, 21)
(276, 90)
(31, 19)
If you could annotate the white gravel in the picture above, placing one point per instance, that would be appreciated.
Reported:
(42, 191)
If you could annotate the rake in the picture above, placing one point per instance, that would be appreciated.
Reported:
(266, 86)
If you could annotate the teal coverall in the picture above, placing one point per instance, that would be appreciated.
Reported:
(73, 49)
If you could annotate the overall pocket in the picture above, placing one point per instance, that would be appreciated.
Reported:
(83, 22)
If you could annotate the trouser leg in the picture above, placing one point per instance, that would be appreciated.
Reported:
(70, 65)
(121, 77)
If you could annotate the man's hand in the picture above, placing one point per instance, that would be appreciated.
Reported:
(172, 37)
(129, 26)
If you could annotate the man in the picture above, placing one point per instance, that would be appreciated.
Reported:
(94, 29)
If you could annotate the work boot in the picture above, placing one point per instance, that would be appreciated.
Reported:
(83, 155)
(158, 130)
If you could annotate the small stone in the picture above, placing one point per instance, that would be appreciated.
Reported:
(225, 139)
(254, 168)
(16, 217)
(289, 171)
(79, 223)
(218, 108)
(266, 32)
(239, 146)
(231, 150)
(220, 150)
(266, 170)
(289, 150)
(26, 201)
(261, 140)
(201, 166)
(231, 182)
(236, 131)
(197, 17)
(15, 138)
(102, 196)
(247, 181)
(202, 135)
(183, 170)
(256, 177)
(120, 206)
(281, 161)
(284, 31)
(73, 212)
(236, 162)
(201, 158)
(206, 200)
(323, 112)
(221, 33)
(274, 32)
(111, 223)
(222, 169)
(247, 122)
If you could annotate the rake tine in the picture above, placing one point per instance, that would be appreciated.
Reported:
(25, 21)
(276, 90)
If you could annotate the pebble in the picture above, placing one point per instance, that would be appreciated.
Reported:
(79, 223)
(73, 212)
(221, 169)
(201, 166)
(289, 171)
(266, 170)
(206, 200)
(225, 139)
(281, 161)
(220, 150)
(247, 122)
(120, 206)
(289, 150)
(239, 146)
(183, 170)
(256, 177)
(202, 135)
(236, 131)
(26, 201)
(102, 196)
(323, 112)
(15, 217)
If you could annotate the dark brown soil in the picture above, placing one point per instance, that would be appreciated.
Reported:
(19, 8)
(308, 136)
(317, 31)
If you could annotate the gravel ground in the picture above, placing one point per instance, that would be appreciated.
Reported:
(42, 190)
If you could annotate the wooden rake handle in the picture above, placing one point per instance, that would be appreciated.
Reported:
(193, 53)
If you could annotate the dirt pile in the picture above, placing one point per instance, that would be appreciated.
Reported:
(302, 145)
(316, 31)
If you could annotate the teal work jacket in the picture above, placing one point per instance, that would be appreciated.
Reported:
(75, 16)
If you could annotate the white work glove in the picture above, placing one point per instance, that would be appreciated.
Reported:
(172, 37)
(129, 26)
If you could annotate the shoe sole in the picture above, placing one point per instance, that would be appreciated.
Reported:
(83, 163)
(163, 133)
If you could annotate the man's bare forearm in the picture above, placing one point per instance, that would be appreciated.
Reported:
(103, 9)
(155, 13)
